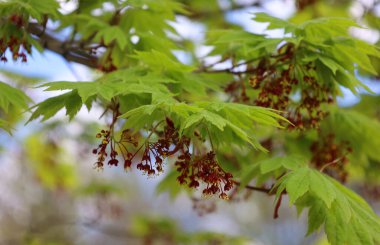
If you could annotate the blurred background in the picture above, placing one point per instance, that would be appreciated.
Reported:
(50, 192)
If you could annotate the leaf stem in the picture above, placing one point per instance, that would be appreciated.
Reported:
(147, 138)
(278, 204)
(331, 163)
(209, 136)
(254, 188)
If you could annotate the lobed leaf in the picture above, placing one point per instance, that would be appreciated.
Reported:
(347, 218)
(10, 96)
(71, 101)
(359, 130)
(272, 167)
(210, 116)
(274, 23)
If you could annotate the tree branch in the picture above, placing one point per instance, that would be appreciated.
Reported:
(61, 47)
(78, 55)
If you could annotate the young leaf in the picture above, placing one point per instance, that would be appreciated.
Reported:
(10, 96)
(209, 115)
(347, 217)
(271, 167)
(122, 82)
(274, 23)
(5, 125)
(359, 130)
(161, 62)
(48, 108)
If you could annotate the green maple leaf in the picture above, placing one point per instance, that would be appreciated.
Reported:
(347, 218)
(10, 96)
(48, 108)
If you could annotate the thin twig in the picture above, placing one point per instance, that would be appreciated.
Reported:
(209, 136)
(231, 69)
(147, 138)
(331, 163)
(254, 188)
(69, 52)
(277, 207)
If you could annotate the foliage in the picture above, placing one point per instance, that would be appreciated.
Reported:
(347, 217)
(11, 99)
(269, 117)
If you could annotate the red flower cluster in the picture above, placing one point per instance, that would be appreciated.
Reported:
(204, 169)
(331, 157)
(152, 158)
(155, 152)
(308, 112)
(193, 169)
(101, 151)
(17, 20)
(277, 90)
(108, 140)
(274, 93)
(280, 90)
(17, 45)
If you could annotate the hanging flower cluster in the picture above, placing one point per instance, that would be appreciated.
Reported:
(277, 89)
(16, 44)
(281, 87)
(156, 152)
(331, 157)
(204, 169)
(195, 170)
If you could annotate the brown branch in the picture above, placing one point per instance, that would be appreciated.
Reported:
(147, 138)
(278, 204)
(255, 188)
(61, 47)
(79, 55)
